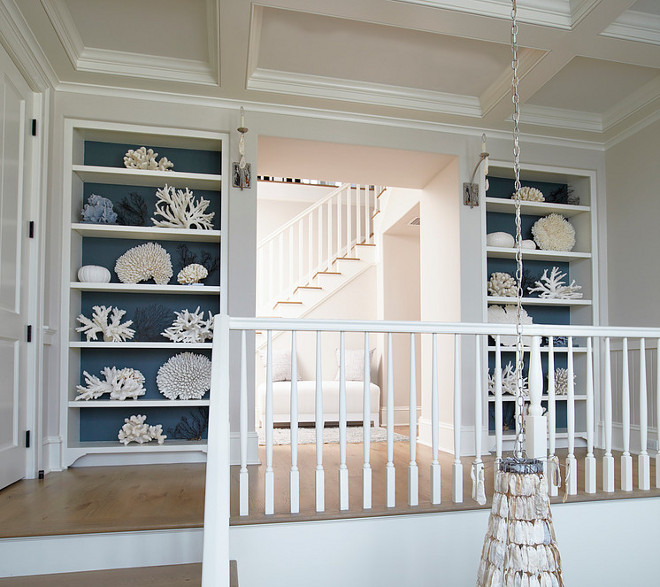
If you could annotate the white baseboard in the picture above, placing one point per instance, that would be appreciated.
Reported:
(253, 449)
(401, 417)
(52, 454)
(446, 437)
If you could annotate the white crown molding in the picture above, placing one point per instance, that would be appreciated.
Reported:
(632, 103)
(635, 26)
(552, 13)
(315, 86)
(125, 63)
(632, 130)
(22, 46)
(580, 9)
(561, 118)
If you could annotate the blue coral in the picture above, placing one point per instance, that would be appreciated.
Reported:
(98, 210)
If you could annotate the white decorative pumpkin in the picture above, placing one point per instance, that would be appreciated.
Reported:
(93, 274)
(500, 239)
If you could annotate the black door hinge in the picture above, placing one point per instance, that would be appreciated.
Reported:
(31, 229)
(29, 333)
(27, 439)
(34, 127)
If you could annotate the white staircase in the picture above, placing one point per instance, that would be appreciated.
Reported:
(318, 252)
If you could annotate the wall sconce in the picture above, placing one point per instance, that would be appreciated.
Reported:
(471, 189)
(242, 171)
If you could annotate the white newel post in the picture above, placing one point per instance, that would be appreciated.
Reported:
(536, 423)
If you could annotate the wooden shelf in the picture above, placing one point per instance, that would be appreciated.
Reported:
(118, 447)
(511, 398)
(146, 233)
(147, 288)
(79, 344)
(139, 404)
(143, 177)
(534, 208)
(537, 301)
(510, 253)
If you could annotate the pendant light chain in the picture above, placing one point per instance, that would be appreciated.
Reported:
(520, 403)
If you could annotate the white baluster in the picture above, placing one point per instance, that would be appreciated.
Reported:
(280, 272)
(457, 466)
(330, 235)
(391, 475)
(358, 215)
(320, 473)
(301, 262)
(366, 427)
(552, 414)
(657, 410)
(536, 425)
(626, 458)
(340, 198)
(319, 244)
(269, 482)
(349, 223)
(310, 249)
(608, 459)
(243, 414)
(294, 476)
(499, 420)
(290, 274)
(343, 469)
(413, 472)
(436, 479)
(590, 460)
(478, 487)
(271, 273)
(571, 461)
(366, 214)
(643, 461)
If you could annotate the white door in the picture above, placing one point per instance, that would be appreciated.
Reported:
(15, 107)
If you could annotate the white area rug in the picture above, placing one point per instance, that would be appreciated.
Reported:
(330, 435)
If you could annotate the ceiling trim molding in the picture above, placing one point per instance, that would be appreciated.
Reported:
(213, 36)
(635, 26)
(561, 118)
(632, 130)
(632, 103)
(139, 65)
(23, 48)
(298, 84)
(552, 13)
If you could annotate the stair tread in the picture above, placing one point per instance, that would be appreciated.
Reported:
(365, 245)
(327, 273)
(307, 287)
(347, 259)
(287, 302)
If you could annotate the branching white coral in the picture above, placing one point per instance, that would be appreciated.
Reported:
(185, 376)
(136, 429)
(509, 382)
(502, 285)
(507, 315)
(554, 233)
(528, 194)
(193, 273)
(561, 381)
(553, 287)
(144, 158)
(121, 384)
(114, 331)
(181, 211)
(190, 327)
(144, 262)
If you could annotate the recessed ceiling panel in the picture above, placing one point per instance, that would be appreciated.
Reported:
(593, 85)
(305, 43)
(648, 6)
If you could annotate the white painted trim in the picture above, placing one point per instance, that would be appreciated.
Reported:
(52, 454)
(635, 26)
(298, 84)
(562, 118)
(401, 417)
(60, 17)
(253, 448)
(91, 552)
(632, 130)
(446, 437)
(551, 13)
(632, 103)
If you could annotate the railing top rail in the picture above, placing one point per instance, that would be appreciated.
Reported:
(384, 326)
(302, 214)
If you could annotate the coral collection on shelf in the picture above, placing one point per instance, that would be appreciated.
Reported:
(561, 381)
(507, 315)
(190, 327)
(112, 330)
(98, 210)
(144, 262)
(554, 233)
(149, 321)
(553, 286)
(529, 194)
(192, 274)
(193, 428)
(509, 382)
(121, 384)
(180, 210)
(144, 158)
(136, 429)
(132, 210)
(185, 376)
(502, 284)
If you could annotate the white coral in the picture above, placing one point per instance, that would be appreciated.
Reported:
(185, 376)
(502, 285)
(144, 262)
(553, 287)
(529, 194)
(190, 327)
(144, 158)
(561, 381)
(554, 233)
(507, 315)
(181, 211)
(193, 273)
(114, 331)
(135, 429)
(121, 384)
(509, 382)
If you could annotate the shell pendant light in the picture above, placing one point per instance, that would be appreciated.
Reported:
(520, 548)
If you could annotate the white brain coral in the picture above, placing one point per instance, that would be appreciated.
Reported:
(502, 285)
(193, 273)
(145, 262)
(530, 195)
(185, 376)
(554, 233)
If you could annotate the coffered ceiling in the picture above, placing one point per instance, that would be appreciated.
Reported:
(590, 69)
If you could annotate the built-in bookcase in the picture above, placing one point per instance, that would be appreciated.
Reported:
(94, 165)
(498, 215)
